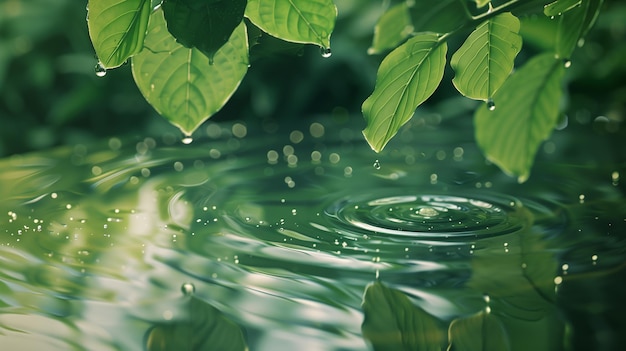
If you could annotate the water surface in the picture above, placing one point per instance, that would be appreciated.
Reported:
(301, 238)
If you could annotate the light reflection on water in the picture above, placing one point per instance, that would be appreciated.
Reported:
(115, 246)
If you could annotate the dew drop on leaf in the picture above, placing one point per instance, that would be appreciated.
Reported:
(491, 105)
(377, 164)
(567, 63)
(187, 140)
(100, 70)
(325, 52)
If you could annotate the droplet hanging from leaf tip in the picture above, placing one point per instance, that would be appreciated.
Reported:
(491, 105)
(326, 52)
(187, 140)
(100, 70)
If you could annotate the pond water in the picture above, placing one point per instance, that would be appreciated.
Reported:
(301, 238)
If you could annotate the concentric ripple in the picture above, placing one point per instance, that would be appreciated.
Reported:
(431, 216)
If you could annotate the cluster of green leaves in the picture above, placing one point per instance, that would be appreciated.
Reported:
(521, 108)
(189, 56)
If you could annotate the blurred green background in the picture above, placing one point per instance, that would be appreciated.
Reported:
(50, 94)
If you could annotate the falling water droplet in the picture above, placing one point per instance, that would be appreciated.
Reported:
(187, 140)
(100, 70)
(325, 52)
(491, 105)
(188, 289)
(377, 164)
(567, 63)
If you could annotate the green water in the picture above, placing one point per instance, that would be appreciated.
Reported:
(301, 238)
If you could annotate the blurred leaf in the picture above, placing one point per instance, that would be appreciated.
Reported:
(205, 328)
(180, 83)
(117, 29)
(439, 16)
(574, 25)
(392, 322)
(486, 58)
(406, 78)
(480, 332)
(298, 21)
(481, 3)
(205, 25)
(392, 28)
(525, 112)
(560, 6)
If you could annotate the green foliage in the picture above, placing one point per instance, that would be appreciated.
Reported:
(210, 50)
(181, 83)
(481, 331)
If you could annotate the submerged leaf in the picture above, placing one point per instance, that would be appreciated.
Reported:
(298, 21)
(392, 322)
(526, 111)
(180, 83)
(117, 29)
(203, 328)
(205, 25)
(392, 28)
(406, 78)
(482, 331)
(486, 58)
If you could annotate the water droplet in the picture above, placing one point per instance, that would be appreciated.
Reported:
(377, 164)
(188, 289)
(211, 60)
(325, 52)
(491, 105)
(187, 140)
(567, 63)
(100, 70)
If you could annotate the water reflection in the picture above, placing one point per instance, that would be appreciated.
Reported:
(302, 244)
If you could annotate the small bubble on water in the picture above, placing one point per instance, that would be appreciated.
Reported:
(187, 140)
(491, 105)
(325, 52)
(377, 164)
(100, 70)
(188, 289)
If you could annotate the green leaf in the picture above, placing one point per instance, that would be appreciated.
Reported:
(482, 331)
(203, 328)
(392, 322)
(486, 58)
(560, 6)
(406, 78)
(526, 111)
(439, 16)
(574, 25)
(180, 83)
(298, 21)
(393, 27)
(205, 25)
(481, 3)
(117, 29)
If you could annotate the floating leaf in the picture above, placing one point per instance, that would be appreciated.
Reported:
(406, 78)
(393, 27)
(560, 6)
(392, 322)
(486, 58)
(205, 25)
(439, 16)
(526, 111)
(574, 25)
(180, 83)
(203, 328)
(298, 21)
(482, 331)
(117, 29)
